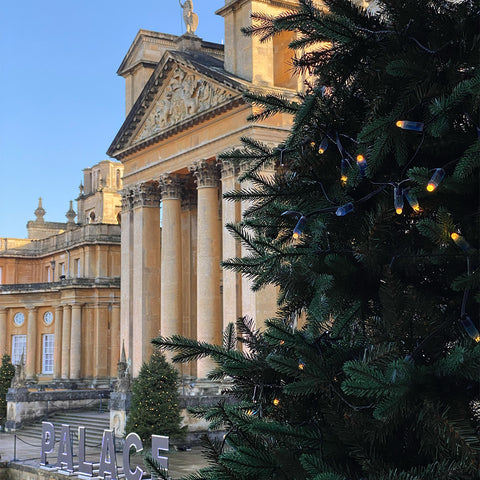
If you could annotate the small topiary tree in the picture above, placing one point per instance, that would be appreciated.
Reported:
(155, 407)
(7, 371)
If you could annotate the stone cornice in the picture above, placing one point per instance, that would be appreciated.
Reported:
(235, 4)
(56, 286)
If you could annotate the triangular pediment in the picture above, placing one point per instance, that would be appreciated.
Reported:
(184, 89)
(184, 95)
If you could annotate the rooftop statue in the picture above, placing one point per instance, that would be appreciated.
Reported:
(189, 17)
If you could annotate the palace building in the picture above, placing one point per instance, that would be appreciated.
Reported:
(60, 288)
(184, 107)
(143, 256)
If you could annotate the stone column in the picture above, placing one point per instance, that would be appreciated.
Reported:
(57, 352)
(3, 331)
(31, 360)
(126, 277)
(76, 342)
(231, 298)
(67, 315)
(262, 304)
(114, 339)
(171, 256)
(146, 272)
(209, 326)
(101, 341)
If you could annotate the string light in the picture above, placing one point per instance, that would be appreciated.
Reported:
(398, 200)
(437, 177)
(323, 146)
(301, 364)
(276, 401)
(470, 328)
(412, 200)
(362, 164)
(344, 209)
(460, 241)
(408, 125)
(298, 230)
(343, 172)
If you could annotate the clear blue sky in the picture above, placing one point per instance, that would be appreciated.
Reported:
(61, 102)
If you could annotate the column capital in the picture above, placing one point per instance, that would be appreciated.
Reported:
(32, 309)
(229, 168)
(3, 309)
(146, 195)
(127, 199)
(171, 186)
(205, 173)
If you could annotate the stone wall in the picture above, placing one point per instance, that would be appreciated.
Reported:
(14, 471)
(24, 406)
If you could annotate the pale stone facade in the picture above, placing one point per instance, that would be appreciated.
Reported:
(184, 107)
(60, 288)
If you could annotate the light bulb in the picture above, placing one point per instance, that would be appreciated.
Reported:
(412, 200)
(323, 145)
(298, 230)
(437, 177)
(343, 172)
(408, 125)
(301, 364)
(460, 241)
(470, 328)
(276, 401)
(344, 209)
(362, 164)
(398, 200)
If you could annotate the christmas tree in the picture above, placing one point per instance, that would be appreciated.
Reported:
(7, 372)
(370, 230)
(155, 409)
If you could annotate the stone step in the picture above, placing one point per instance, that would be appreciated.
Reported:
(94, 422)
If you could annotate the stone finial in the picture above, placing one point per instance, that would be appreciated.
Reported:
(123, 357)
(18, 380)
(40, 212)
(81, 188)
(189, 17)
(71, 214)
(123, 375)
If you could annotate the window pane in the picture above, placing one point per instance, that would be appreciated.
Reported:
(47, 358)
(19, 347)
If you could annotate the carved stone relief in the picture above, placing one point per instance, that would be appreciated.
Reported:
(185, 96)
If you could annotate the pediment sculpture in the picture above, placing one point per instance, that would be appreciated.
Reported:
(185, 96)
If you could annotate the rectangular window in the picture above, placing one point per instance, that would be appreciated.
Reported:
(19, 348)
(49, 274)
(47, 356)
(1, 280)
(62, 268)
